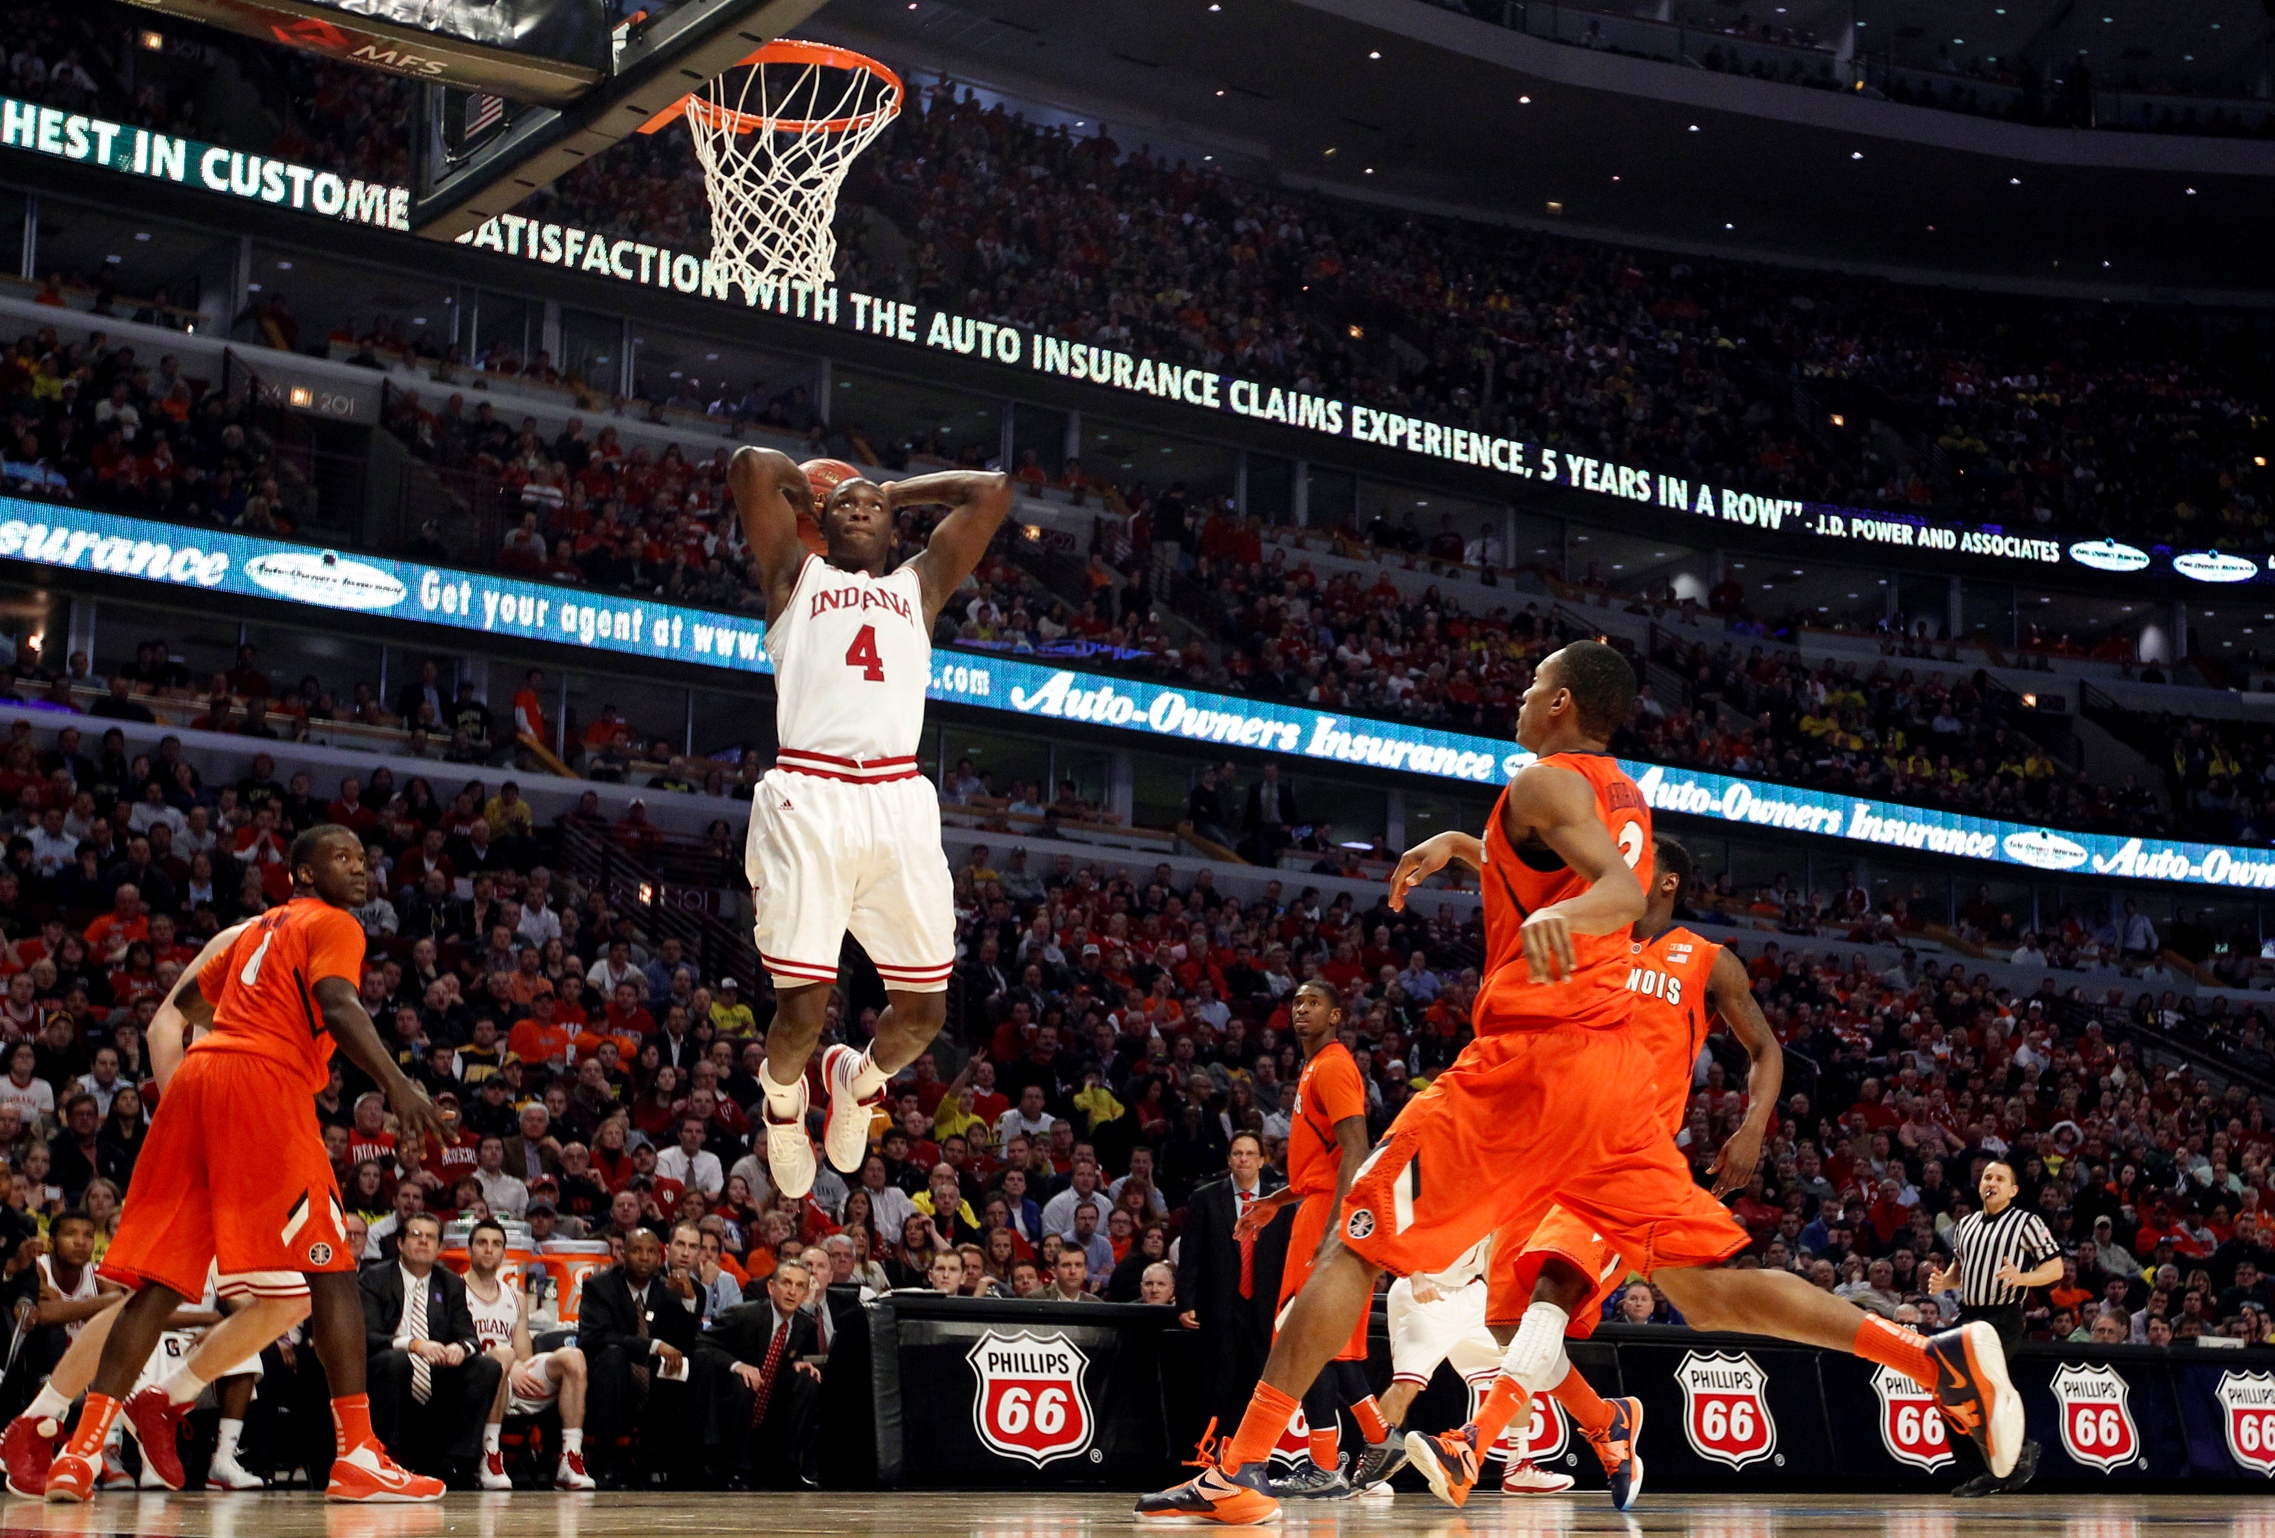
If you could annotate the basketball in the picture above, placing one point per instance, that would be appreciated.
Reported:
(826, 475)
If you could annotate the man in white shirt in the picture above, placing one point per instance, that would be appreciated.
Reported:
(539, 923)
(1082, 1187)
(1027, 1118)
(103, 1082)
(616, 967)
(54, 847)
(695, 1167)
(506, 1192)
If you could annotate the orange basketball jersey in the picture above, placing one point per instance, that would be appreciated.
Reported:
(261, 987)
(1520, 882)
(1668, 977)
(1329, 1091)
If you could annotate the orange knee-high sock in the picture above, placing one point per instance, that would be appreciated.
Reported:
(351, 1423)
(1891, 1345)
(1268, 1415)
(1326, 1447)
(94, 1426)
(1369, 1416)
(1581, 1401)
(1503, 1404)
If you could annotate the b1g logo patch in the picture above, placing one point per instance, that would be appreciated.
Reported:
(2097, 1417)
(2247, 1400)
(1360, 1224)
(319, 1254)
(1724, 1413)
(1029, 1402)
(1911, 1427)
(1545, 1436)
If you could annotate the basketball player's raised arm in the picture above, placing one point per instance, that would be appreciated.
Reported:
(770, 492)
(1429, 857)
(185, 1009)
(355, 1035)
(1731, 992)
(980, 499)
(1556, 807)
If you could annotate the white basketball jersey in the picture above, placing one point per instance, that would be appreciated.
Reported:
(852, 658)
(84, 1289)
(494, 1321)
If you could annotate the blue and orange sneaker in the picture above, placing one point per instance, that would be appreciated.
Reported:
(1448, 1460)
(1975, 1393)
(70, 1478)
(1237, 1497)
(1620, 1448)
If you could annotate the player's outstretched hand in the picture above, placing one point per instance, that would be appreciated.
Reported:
(1547, 939)
(414, 1112)
(1735, 1161)
(1415, 866)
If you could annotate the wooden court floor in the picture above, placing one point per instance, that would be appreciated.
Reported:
(1004, 1514)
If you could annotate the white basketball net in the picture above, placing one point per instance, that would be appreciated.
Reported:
(775, 140)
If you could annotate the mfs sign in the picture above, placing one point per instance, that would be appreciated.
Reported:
(1028, 1400)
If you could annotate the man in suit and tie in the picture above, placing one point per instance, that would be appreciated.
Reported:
(430, 1383)
(765, 1409)
(676, 1046)
(533, 1152)
(637, 1329)
(1228, 1286)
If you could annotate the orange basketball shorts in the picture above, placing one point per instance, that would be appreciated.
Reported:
(1311, 1219)
(233, 1170)
(1521, 1122)
(1518, 1258)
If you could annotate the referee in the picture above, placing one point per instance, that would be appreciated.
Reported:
(1998, 1253)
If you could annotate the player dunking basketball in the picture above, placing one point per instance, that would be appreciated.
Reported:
(234, 1172)
(845, 828)
(1543, 1108)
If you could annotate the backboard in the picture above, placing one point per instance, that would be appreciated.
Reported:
(477, 153)
(545, 51)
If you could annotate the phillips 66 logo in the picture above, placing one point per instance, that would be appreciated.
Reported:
(1911, 1427)
(2097, 1417)
(1030, 1402)
(1543, 1438)
(2247, 1400)
(1724, 1413)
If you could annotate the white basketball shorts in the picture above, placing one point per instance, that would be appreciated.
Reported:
(518, 1403)
(827, 857)
(1450, 1329)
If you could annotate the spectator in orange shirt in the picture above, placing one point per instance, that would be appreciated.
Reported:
(109, 936)
(536, 1038)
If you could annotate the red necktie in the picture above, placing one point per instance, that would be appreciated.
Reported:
(766, 1374)
(1247, 1250)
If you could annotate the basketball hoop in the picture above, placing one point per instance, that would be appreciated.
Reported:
(775, 136)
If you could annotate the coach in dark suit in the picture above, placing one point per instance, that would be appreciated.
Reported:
(1227, 1295)
(766, 1398)
(638, 1331)
(430, 1383)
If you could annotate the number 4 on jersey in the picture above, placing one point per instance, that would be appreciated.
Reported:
(862, 654)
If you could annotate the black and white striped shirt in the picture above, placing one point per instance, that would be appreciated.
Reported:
(1983, 1243)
